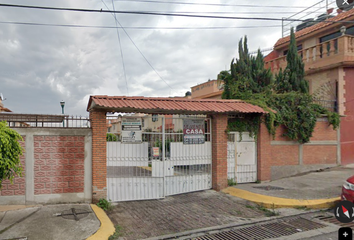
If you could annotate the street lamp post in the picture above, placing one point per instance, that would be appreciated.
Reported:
(62, 104)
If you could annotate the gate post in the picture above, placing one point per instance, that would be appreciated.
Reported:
(99, 158)
(219, 151)
(264, 154)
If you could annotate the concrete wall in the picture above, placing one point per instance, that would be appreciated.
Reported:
(57, 167)
(205, 89)
(280, 157)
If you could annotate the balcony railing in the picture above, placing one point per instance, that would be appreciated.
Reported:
(324, 55)
(17, 120)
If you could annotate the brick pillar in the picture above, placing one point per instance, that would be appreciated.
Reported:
(99, 167)
(219, 152)
(264, 154)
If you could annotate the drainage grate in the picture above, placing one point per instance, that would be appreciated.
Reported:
(333, 220)
(74, 214)
(276, 229)
(267, 188)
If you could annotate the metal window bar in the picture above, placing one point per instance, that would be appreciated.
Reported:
(331, 105)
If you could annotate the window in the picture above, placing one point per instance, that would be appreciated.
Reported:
(330, 37)
(349, 31)
(299, 48)
(155, 117)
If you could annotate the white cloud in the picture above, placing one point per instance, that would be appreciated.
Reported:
(41, 65)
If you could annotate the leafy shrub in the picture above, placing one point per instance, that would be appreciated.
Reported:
(10, 152)
(104, 204)
(231, 182)
(111, 137)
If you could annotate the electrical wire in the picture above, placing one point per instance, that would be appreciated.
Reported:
(210, 4)
(120, 45)
(161, 14)
(139, 49)
(135, 28)
(235, 13)
(144, 13)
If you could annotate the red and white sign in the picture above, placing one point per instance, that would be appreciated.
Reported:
(155, 152)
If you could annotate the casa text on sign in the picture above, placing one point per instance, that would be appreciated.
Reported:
(193, 131)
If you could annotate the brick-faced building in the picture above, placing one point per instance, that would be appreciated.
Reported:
(327, 50)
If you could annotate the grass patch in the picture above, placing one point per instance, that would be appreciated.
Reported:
(251, 207)
(231, 182)
(118, 233)
(104, 204)
(305, 208)
(267, 212)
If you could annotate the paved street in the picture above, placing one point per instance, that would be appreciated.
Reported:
(174, 214)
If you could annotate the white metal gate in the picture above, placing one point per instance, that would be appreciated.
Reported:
(241, 158)
(167, 161)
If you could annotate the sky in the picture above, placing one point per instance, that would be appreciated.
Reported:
(43, 65)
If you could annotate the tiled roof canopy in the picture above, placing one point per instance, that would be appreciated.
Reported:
(3, 109)
(319, 26)
(170, 105)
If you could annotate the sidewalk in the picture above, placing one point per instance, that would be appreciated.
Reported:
(319, 189)
(45, 223)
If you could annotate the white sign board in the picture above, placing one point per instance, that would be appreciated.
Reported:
(131, 130)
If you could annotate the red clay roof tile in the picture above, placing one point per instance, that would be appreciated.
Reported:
(340, 17)
(170, 105)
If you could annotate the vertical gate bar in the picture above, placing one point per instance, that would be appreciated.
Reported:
(211, 154)
(163, 154)
(235, 159)
(256, 157)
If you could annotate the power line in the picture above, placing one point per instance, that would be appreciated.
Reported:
(210, 4)
(143, 13)
(120, 46)
(233, 12)
(163, 14)
(135, 28)
(138, 48)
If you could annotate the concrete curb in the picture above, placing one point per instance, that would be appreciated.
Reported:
(106, 229)
(275, 202)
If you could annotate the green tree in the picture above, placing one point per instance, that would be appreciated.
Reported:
(10, 152)
(293, 77)
(288, 96)
(247, 75)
